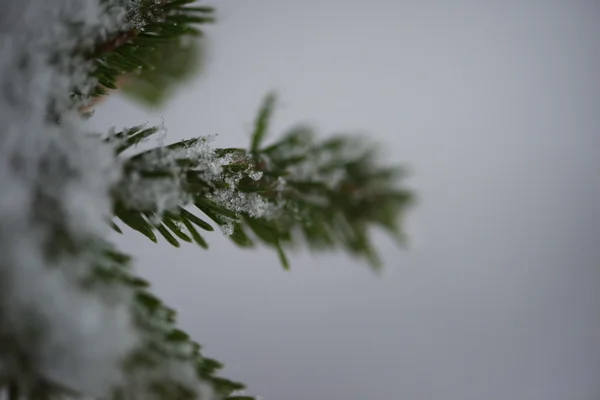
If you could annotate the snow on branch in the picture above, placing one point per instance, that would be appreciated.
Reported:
(330, 193)
(57, 329)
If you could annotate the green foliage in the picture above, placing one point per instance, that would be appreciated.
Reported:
(331, 192)
(163, 340)
(174, 62)
(153, 54)
(323, 194)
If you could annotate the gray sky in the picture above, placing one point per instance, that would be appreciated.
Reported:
(495, 106)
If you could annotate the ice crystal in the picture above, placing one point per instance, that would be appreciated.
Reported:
(239, 202)
(227, 228)
(256, 175)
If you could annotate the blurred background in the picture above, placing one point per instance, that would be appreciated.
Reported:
(495, 106)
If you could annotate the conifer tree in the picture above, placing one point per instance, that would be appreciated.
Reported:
(75, 321)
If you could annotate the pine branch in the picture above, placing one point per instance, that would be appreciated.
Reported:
(165, 354)
(53, 249)
(146, 48)
(166, 351)
(297, 190)
(326, 194)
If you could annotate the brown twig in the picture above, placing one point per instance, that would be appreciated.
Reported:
(114, 44)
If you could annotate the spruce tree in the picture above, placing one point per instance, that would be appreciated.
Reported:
(75, 321)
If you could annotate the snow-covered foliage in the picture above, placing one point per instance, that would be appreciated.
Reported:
(54, 203)
(73, 318)
(54, 206)
(167, 193)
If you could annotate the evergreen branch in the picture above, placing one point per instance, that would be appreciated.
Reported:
(327, 194)
(158, 17)
(163, 345)
(294, 190)
(151, 50)
(169, 360)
